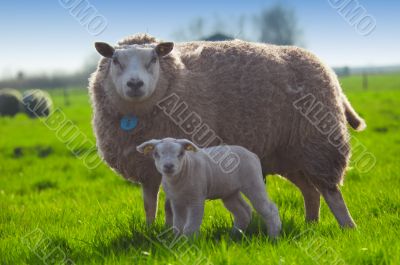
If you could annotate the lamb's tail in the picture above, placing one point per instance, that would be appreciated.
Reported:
(355, 121)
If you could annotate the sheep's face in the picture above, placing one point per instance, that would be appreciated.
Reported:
(135, 70)
(168, 154)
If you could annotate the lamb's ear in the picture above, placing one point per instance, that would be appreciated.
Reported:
(104, 49)
(188, 145)
(164, 48)
(147, 147)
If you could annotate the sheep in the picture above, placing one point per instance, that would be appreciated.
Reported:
(190, 176)
(258, 96)
(37, 103)
(10, 102)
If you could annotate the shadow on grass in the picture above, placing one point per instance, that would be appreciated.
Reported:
(49, 250)
(142, 240)
(44, 185)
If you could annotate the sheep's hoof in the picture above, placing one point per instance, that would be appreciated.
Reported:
(237, 233)
(191, 235)
(351, 225)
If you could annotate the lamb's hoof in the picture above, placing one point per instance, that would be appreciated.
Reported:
(237, 233)
(274, 229)
(190, 235)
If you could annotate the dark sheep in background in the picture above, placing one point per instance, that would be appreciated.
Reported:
(10, 102)
(37, 103)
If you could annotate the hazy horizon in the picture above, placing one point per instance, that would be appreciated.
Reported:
(43, 37)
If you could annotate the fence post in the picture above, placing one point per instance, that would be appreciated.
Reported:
(365, 81)
(66, 99)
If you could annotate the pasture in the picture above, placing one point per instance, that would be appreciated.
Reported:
(54, 210)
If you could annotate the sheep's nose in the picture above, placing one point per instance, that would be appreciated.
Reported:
(135, 84)
(168, 167)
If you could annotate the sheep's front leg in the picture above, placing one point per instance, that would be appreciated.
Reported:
(194, 218)
(150, 198)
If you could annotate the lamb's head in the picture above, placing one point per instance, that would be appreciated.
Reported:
(135, 69)
(168, 154)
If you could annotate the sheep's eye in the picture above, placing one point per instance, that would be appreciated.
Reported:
(181, 153)
(116, 62)
(156, 155)
(152, 61)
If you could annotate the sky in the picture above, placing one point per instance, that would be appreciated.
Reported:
(44, 37)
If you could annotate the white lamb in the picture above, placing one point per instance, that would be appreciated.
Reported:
(190, 176)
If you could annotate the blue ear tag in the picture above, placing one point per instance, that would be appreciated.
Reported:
(128, 122)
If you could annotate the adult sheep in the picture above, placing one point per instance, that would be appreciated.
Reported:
(259, 96)
(10, 102)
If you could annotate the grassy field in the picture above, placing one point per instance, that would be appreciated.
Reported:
(53, 210)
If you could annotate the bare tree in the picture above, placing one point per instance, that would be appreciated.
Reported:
(196, 27)
(279, 25)
(215, 28)
(194, 31)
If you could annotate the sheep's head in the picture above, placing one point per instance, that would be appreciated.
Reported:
(135, 69)
(168, 154)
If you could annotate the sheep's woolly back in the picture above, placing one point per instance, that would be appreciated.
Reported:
(10, 102)
(255, 95)
(139, 39)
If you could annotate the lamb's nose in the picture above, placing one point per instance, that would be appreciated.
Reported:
(135, 84)
(168, 167)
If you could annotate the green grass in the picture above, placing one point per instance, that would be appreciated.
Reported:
(54, 209)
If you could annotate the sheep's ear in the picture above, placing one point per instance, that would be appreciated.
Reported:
(188, 145)
(164, 48)
(104, 49)
(147, 147)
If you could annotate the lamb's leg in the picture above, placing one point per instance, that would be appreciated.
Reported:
(168, 213)
(335, 201)
(310, 194)
(194, 218)
(246, 206)
(150, 198)
(179, 213)
(266, 208)
(240, 209)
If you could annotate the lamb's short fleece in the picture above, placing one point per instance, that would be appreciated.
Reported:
(190, 176)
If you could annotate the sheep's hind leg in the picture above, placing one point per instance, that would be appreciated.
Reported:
(266, 208)
(335, 201)
(310, 194)
(240, 209)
